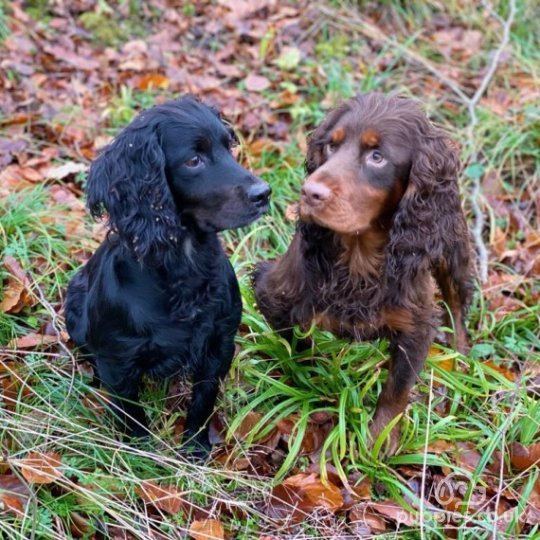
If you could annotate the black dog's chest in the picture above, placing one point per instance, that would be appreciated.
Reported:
(165, 318)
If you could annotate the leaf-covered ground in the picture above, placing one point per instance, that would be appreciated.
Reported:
(290, 457)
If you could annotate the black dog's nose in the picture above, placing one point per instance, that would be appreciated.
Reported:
(259, 193)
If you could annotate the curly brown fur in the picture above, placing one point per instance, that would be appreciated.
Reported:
(380, 216)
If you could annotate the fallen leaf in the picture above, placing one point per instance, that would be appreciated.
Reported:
(289, 58)
(153, 80)
(364, 521)
(256, 83)
(40, 468)
(206, 529)
(394, 512)
(31, 340)
(248, 423)
(510, 375)
(60, 172)
(14, 494)
(17, 294)
(319, 495)
(522, 457)
(166, 498)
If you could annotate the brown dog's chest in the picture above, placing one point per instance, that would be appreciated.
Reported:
(348, 305)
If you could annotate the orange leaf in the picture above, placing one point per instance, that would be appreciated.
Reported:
(523, 457)
(510, 375)
(318, 494)
(207, 529)
(40, 468)
(166, 498)
(153, 80)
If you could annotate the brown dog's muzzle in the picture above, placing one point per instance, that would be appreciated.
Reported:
(314, 193)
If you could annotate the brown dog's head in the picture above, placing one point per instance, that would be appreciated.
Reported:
(368, 155)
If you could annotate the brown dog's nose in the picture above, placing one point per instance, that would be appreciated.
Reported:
(315, 193)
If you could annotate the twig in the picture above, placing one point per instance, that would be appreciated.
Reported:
(373, 32)
(471, 104)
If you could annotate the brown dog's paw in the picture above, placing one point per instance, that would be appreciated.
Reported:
(376, 427)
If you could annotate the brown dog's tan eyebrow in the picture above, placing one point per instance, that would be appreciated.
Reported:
(370, 137)
(338, 135)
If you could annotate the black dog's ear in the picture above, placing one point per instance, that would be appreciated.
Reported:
(128, 182)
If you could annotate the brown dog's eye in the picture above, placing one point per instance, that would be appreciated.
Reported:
(195, 161)
(330, 148)
(376, 158)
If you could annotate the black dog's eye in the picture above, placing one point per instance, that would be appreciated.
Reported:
(193, 162)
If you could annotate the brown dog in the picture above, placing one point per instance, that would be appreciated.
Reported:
(380, 214)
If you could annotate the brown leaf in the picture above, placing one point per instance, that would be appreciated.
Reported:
(248, 423)
(256, 83)
(166, 498)
(71, 57)
(14, 494)
(31, 340)
(314, 434)
(364, 521)
(393, 511)
(467, 456)
(523, 457)
(40, 468)
(17, 294)
(531, 514)
(437, 447)
(318, 494)
(206, 529)
(301, 494)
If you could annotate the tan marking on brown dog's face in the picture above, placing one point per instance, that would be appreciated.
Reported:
(370, 137)
(338, 135)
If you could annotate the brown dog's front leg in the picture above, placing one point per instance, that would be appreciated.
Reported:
(408, 354)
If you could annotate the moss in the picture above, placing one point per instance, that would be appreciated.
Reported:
(106, 29)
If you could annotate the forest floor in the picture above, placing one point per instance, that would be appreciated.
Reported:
(290, 458)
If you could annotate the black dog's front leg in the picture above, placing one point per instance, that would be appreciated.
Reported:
(123, 382)
(408, 353)
(206, 382)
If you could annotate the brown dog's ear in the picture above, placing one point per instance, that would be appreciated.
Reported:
(429, 220)
(320, 137)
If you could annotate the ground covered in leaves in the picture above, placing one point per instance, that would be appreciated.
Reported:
(290, 458)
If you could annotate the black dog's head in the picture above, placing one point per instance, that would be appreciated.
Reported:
(172, 168)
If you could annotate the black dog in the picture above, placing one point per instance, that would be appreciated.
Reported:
(159, 296)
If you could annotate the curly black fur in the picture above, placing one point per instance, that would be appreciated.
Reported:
(159, 296)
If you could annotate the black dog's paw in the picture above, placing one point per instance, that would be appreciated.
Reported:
(196, 448)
